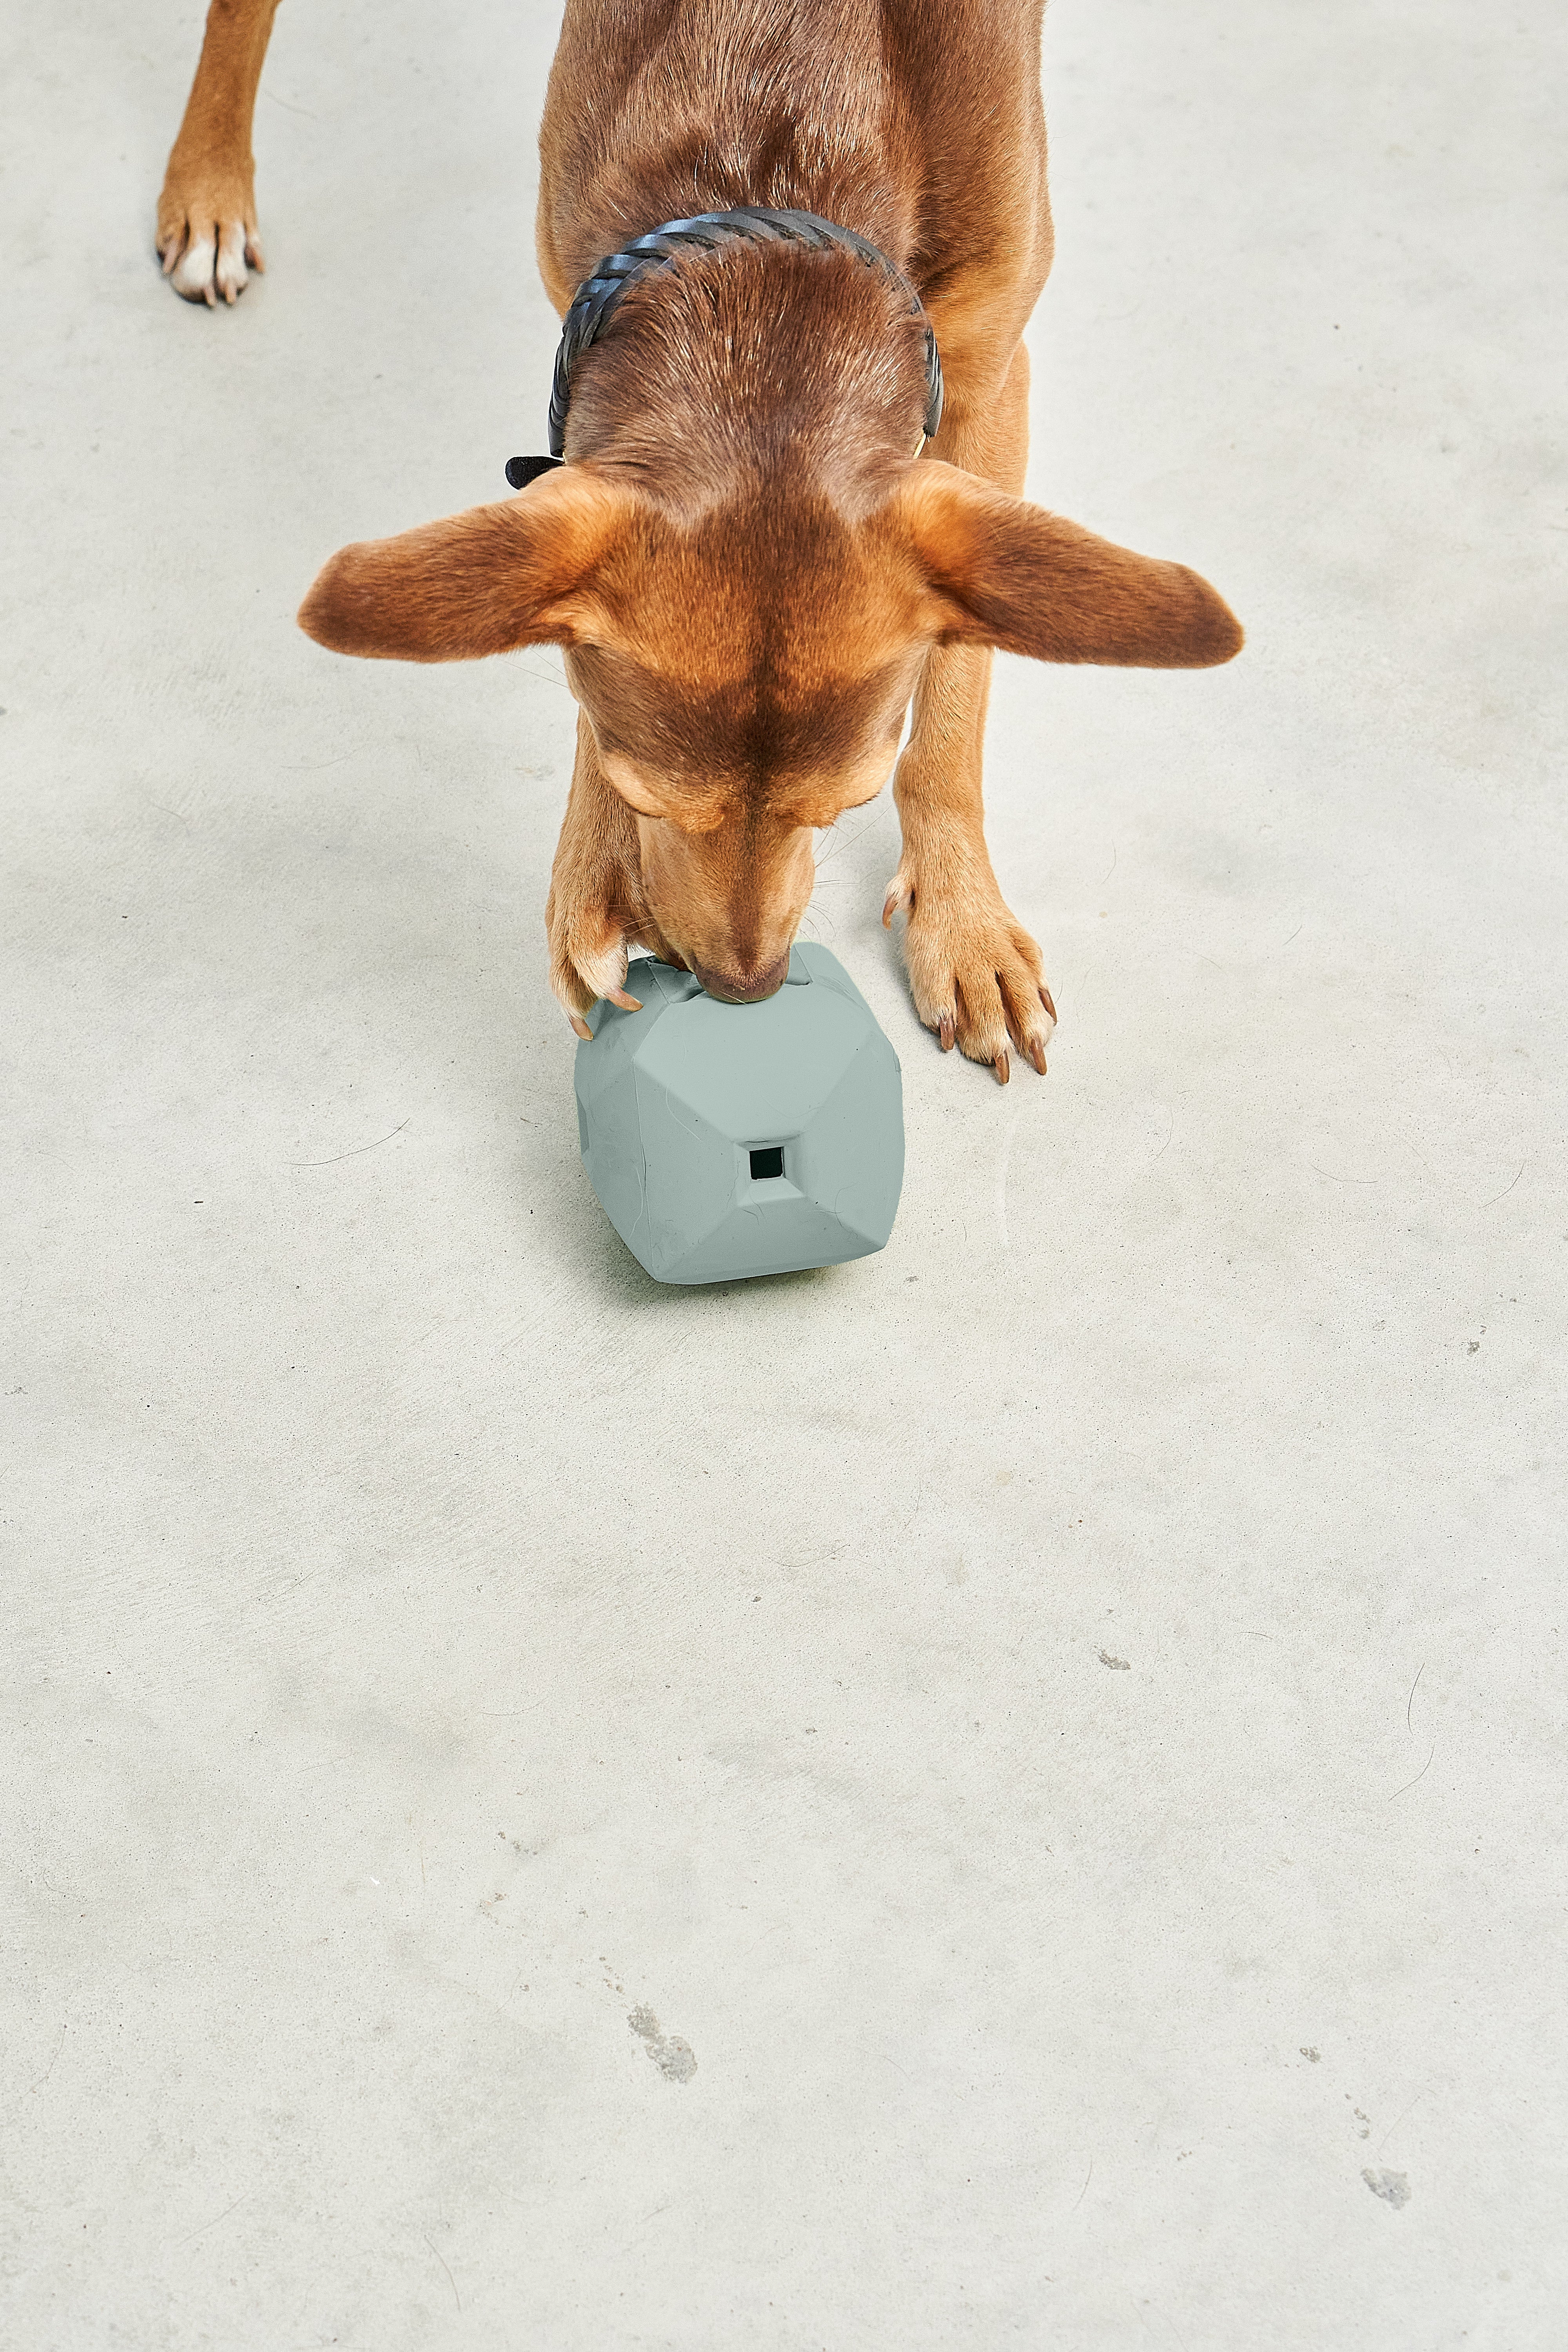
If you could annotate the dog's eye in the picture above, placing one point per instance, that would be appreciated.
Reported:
(626, 780)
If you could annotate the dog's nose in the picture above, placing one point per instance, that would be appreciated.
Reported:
(742, 987)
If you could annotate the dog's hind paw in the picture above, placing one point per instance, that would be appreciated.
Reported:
(974, 973)
(207, 239)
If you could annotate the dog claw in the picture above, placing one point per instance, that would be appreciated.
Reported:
(1038, 1055)
(1004, 1069)
(627, 1003)
(1046, 1001)
(579, 1025)
(945, 1032)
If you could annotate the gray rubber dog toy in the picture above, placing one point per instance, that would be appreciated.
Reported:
(725, 1141)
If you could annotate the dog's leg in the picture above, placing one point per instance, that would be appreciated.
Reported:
(974, 973)
(206, 214)
(595, 909)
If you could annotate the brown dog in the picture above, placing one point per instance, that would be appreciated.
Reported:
(752, 562)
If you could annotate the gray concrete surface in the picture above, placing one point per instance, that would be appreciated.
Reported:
(1011, 1792)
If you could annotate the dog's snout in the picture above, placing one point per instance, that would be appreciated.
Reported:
(742, 987)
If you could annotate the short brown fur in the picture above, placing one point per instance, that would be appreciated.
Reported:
(750, 566)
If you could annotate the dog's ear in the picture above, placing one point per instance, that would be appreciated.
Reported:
(1007, 573)
(515, 574)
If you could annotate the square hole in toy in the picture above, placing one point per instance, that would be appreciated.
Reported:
(767, 1160)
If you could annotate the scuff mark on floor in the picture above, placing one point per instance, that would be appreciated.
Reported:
(674, 2057)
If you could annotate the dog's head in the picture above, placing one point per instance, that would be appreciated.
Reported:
(745, 670)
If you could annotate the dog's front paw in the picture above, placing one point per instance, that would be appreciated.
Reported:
(207, 239)
(974, 973)
(593, 923)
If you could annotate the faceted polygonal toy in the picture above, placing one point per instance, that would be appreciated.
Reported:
(733, 1140)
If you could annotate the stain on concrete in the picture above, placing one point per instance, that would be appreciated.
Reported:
(1393, 2187)
(1122, 1665)
(674, 2058)
(1313, 2055)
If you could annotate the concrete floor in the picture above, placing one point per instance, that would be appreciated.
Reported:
(1011, 1792)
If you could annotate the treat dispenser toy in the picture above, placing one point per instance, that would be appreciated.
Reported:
(726, 1140)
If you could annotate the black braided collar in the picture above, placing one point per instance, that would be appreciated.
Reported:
(594, 301)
